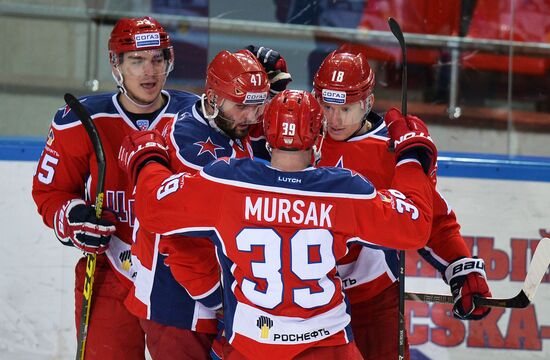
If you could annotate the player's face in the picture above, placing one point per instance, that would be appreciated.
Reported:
(343, 120)
(144, 74)
(235, 119)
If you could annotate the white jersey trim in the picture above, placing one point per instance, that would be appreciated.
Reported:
(371, 134)
(284, 330)
(406, 161)
(436, 257)
(370, 265)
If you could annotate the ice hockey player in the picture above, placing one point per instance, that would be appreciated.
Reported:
(280, 228)
(141, 58)
(215, 125)
(357, 139)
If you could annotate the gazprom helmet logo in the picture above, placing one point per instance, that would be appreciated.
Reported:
(255, 98)
(333, 96)
(147, 40)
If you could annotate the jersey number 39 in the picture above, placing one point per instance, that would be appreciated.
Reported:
(301, 266)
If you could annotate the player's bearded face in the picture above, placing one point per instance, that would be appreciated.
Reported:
(144, 74)
(343, 120)
(235, 119)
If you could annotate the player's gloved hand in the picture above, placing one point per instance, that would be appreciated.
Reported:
(275, 67)
(467, 278)
(411, 139)
(139, 148)
(75, 224)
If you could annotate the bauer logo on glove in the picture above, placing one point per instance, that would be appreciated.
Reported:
(410, 136)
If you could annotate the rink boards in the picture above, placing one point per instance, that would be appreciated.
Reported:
(502, 205)
(502, 221)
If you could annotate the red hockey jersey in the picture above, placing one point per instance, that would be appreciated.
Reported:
(67, 169)
(366, 272)
(192, 144)
(278, 236)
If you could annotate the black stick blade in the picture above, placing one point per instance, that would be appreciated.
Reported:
(396, 30)
(91, 129)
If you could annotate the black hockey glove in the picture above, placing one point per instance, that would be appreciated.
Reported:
(75, 224)
(275, 66)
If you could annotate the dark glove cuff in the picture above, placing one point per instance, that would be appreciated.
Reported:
(157, 159)
(422, 154)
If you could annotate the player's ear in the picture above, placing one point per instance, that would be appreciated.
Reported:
(211, 97)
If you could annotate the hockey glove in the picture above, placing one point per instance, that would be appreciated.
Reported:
(467, 278)
(275, 67)
(75, 224)
(411, 139)
(139, 148)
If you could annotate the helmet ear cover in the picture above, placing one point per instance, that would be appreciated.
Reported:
(293, 121)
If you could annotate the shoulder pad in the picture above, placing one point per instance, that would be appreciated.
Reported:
(180, 100)
(196, 143)
(94, 104)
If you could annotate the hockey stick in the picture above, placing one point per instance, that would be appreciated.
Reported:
(396, 30)
(537, 269)
(86, 120)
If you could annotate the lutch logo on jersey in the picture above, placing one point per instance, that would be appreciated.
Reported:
(333, 96)
(255, 98)
(289, 180)
(264, 323)
(147, 40)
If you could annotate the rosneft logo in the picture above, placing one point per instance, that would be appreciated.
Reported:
(264, 323)
(126, 260)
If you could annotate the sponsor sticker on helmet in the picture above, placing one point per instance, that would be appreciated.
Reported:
(255, 98)
(147, 40)
(333, 96)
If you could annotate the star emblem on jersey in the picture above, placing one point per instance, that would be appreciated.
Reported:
(355, 173)
(67, 108)
(340, 162)
(208, 146)
(66, 111)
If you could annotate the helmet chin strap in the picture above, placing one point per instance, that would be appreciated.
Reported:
(120, 85)
(317, 150)
(211, 117)
(216, 114)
